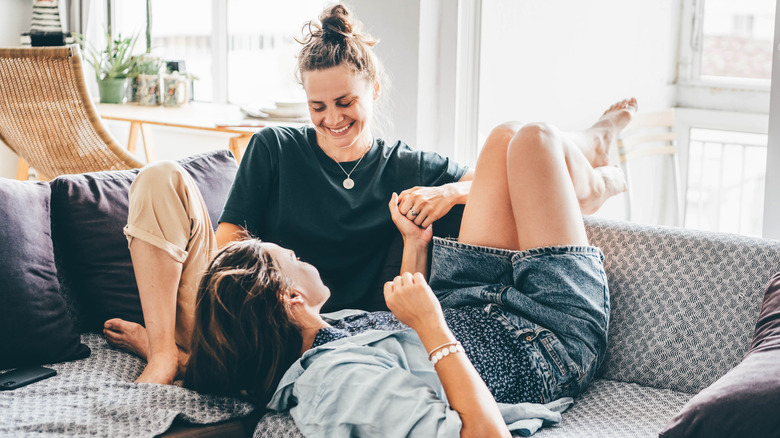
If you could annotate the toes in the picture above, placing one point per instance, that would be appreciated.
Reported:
(111, 338)
(115, 324)
(625, 104)
(629, 103)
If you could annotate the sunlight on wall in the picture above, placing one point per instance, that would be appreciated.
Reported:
(565, 62)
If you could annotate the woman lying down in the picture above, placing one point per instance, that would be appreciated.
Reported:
(514, 311)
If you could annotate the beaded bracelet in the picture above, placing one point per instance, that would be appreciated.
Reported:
(444, 350)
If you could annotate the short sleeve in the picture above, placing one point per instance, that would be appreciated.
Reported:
(249, 194)
(436, 170)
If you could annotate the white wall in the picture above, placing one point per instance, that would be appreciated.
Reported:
(397, 25)
(15, 17)
(566, 61)
(437, 77)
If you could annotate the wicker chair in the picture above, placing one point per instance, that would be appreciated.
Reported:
(47, 116)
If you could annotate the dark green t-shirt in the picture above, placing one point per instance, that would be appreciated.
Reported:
(288, 191)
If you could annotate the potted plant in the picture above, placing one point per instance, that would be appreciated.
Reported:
(111, 65)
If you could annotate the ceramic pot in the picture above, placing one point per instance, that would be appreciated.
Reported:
(112, 90)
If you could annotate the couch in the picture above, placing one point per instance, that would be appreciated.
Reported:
(684, 307)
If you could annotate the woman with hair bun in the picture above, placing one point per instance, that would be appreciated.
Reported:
(319, 190)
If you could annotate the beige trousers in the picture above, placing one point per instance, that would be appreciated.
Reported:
(168, 212)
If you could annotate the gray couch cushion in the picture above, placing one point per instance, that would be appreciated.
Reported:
(744, 402)
(606, 409)
(617, 409)
(673, 291)
(95, 397)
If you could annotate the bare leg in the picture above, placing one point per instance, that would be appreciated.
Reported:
(157, 287)
(488, 221)
(587, 157)
(157, 275)
(544, 204)
(595, 141)
(171, 240)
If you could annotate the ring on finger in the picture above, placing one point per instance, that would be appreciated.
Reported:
(414, 213)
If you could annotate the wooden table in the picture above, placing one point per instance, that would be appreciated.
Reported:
(227, 119)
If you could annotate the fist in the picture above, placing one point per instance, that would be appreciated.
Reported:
(412, 301)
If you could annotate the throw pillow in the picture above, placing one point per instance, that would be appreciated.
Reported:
(35, 327)
(88, 214)
(743, 402)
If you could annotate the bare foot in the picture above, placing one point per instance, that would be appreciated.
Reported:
(611, 182)
(127, 336)
(607, 128)
(161, 368)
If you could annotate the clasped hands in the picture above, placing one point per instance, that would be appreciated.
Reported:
(409, 296)
(426, 205)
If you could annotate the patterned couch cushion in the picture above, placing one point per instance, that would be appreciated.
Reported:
(96, 397)
(744, 402)
(684, 302)
(606, 409)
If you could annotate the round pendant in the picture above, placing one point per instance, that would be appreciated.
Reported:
(348, 183)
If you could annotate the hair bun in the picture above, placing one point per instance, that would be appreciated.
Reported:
(336, 22)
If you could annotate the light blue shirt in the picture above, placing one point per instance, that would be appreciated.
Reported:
(380, 383)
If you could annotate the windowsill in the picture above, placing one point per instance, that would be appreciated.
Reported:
(724, 96)
(726, 120)
(730, 84)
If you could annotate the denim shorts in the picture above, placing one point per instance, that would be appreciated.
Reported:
(554, 299)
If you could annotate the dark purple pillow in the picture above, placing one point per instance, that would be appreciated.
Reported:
(88, 213)
(35, 327)
(746, 401)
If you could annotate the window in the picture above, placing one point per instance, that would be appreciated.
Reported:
(241, 51)
(725, 66)
(736, 39)
(726, 44)
(726, 181)
(261, 48)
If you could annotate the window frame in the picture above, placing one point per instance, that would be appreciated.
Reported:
(219, 47)
(731, 104)
(711, 92)
(466, 148)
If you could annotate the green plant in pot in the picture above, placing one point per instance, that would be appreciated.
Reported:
(112, 65)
